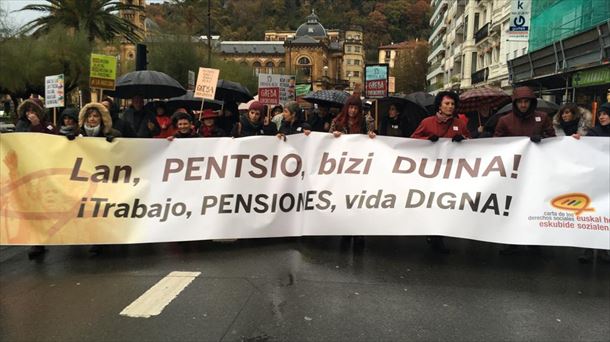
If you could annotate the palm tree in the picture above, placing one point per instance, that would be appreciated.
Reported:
(99, 18)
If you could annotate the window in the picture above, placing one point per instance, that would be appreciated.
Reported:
(474, 62)
(349, 62)
(303, 61)
(388, 54)
(257, 68)
(269, 66)
(348, 48)
(356, 73)
(357, 48)
(356, 62)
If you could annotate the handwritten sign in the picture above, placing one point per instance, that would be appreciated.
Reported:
(206, 83)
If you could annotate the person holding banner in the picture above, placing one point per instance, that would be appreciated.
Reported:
(94, 121)
(208, 128)
(253, 123)
(33, 118)
(69, 120)
(571, 120)
(351, 120)
(602, 127)
(446, 123)
(142, 121)
(292, 121)
(524, 119)
(183, 125)
(164, 120)
(320, 119)
(395, 123)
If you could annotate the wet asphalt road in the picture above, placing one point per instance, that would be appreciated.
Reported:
(307, 289)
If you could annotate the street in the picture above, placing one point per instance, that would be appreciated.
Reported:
(306, 289)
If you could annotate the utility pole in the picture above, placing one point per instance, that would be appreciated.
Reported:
(209, 33)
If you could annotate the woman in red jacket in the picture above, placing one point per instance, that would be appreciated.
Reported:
(446, 123)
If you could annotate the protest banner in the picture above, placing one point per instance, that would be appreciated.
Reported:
(376, 81)
(54, 91)
(102, 73)
(504, 190)
(276, 89)
(207, 79)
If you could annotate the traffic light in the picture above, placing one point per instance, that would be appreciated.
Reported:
(141, 59)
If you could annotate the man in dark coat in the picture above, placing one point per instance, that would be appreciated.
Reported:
(524, 120)
(142, 121)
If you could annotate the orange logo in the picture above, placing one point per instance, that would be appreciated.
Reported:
(575, 202)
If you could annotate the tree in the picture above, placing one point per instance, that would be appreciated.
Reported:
(97, 18)
(411, 68)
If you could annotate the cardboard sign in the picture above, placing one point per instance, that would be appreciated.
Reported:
(276, 89)
(206, 83)
(54, 91)
(102, 73)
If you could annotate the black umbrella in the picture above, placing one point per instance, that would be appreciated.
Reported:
(327, 98)
(543, 106)
(229, 91)
(148, 84)
(188, 101)
(408, 108)
(423, 99)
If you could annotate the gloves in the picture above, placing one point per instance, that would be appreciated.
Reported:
(433, 138)
(536, 138)
(109, 138)
(70, 137)
(457, 138)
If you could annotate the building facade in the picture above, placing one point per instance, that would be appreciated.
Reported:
(326, 59)
(127, 52)
(470, 45)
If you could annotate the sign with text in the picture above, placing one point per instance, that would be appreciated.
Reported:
(497, 190)
(376, 81)
(207, 79)
(102, 73)
(520, 15)
(54, 91)
(276, 89)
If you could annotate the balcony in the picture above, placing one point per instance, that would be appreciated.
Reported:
(441, 6)
(438, 29)
(481, 34)
(435, 69)
(438, 48)
(435, 86)
(480, 76)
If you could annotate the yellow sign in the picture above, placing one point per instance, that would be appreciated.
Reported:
(102, 74)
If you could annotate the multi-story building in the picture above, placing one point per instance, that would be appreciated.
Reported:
(323, 58)
(470, 45)
(569, 51)
(389, 53)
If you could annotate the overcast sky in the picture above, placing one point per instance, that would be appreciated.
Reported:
(20, 18)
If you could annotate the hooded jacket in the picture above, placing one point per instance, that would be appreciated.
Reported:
(584, 118)
(24, 125)
(599, 130)
(528, 124)
(106, 124)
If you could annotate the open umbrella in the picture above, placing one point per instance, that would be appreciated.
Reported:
(481, 98)
(412, 111)
(423, 99)
(327, 98)
(148, 84)
(542, 105)
(229, 91)
(188, 101)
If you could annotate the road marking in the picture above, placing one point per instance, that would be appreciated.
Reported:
(153, 301)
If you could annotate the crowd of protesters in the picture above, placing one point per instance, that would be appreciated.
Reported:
(157, 121)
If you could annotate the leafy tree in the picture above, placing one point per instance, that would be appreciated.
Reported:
(410, 69)
(98, 18)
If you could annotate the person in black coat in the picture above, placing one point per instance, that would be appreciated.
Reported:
(395, 123)
(118, 123)
(253, 123)
(320, 119)
(143, 122)
(292, 121)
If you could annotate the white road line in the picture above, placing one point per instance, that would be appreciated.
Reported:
(153, 301)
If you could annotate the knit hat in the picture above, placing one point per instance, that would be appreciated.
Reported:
(70, 112)
(257, 106)
(604, 108)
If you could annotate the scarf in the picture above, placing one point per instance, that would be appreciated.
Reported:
(443, 118)
(92, 131)
(569, 128)
(67, 130)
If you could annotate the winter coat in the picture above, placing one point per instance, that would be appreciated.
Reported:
(106, 129)
(430, 126)
(296, 127)
(245, 128)
(192, 134)
(71, 113)
(24, 125)
(318, 123)
(138, 120)
(531, 123)
(165, 124)
(396, 127)
(120, 124)
(215, 132)
(584, 117)
(367, 124)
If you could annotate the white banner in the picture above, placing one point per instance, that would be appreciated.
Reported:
(520, 15)
(504, 190)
